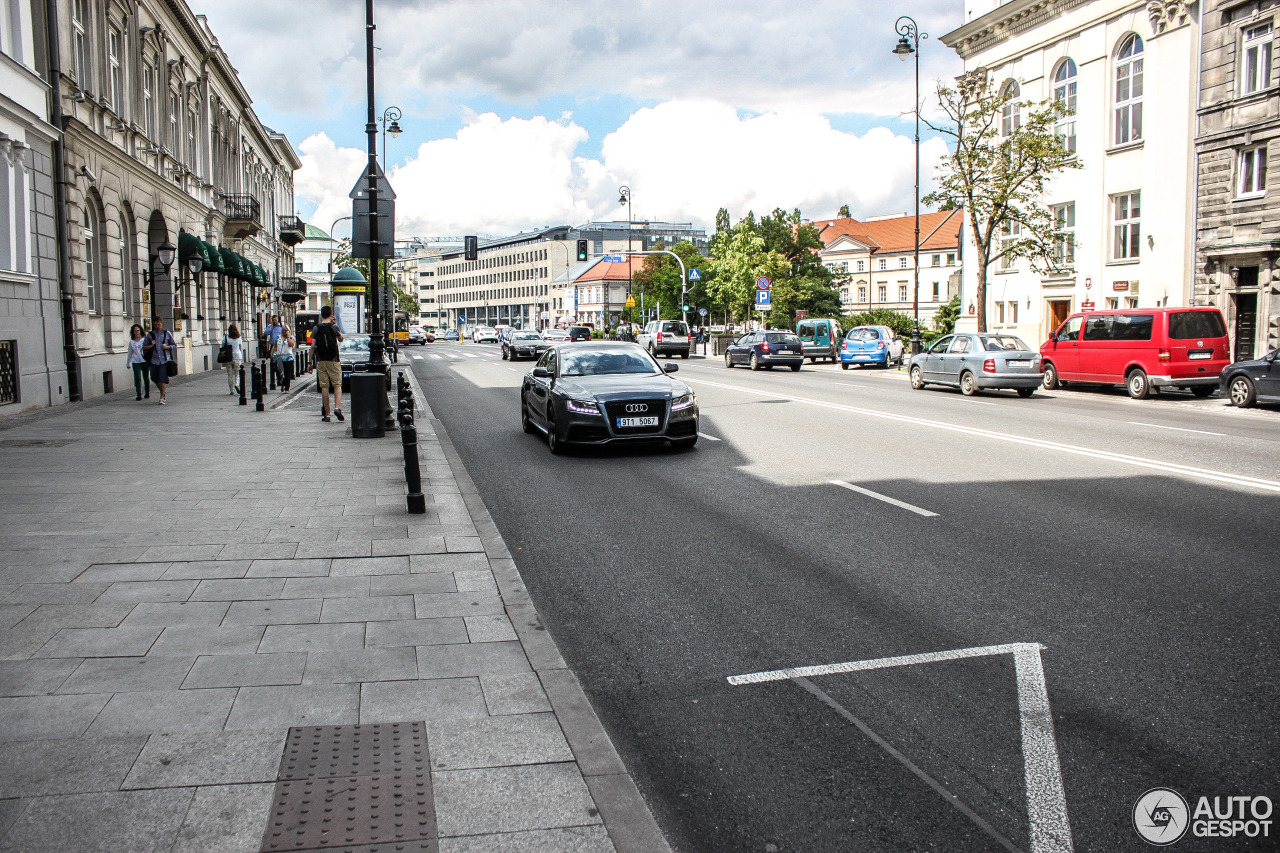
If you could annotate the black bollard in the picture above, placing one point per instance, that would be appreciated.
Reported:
(415, 500)
(259, 383)
(243, 400)
(272, 367)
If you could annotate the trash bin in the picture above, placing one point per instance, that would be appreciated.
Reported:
(368, 402)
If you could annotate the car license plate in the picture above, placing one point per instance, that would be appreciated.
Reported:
(1200, 355)
(1018, 363)
(637, 422)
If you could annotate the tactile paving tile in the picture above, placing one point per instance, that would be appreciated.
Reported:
(359, 789)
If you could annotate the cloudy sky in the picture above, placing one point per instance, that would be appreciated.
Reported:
(524, 113)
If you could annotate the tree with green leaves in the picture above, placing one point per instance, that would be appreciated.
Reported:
(406, 302)
(738, 258)
(1003, 153)
(944, 320)
(844, 213)
(658, 280)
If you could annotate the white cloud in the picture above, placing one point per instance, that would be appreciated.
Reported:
(683, 160)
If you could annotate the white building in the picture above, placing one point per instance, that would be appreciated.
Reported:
(1129, 70)
(312, 259)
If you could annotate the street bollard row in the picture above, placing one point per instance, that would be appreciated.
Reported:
(417, 502)
(243, 400)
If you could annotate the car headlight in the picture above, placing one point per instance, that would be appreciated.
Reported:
(582, 407)
(682, 402)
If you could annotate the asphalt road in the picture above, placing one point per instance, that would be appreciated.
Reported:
(1127, 548)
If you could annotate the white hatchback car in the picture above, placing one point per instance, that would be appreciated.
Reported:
(484, 335)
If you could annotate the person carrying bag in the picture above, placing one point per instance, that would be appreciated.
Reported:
(233, 348)
(160, 347)
(282, 359)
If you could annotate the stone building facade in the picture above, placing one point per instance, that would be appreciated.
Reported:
(1237, 154)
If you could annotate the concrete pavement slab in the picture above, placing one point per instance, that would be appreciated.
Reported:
(99, 642)
(255, 670)
(570, 839)
(159, 711)
(59, 616)
(434, 605)
(12, 614)
(489, 629)
(275, 612)
(410, 584)
(201, 569)
(56, 593)
(512, 799)
(430, 699)
(382, 608)
(308, 638)
(288, 568)
(137, 821)
(448, 562)
(179, 613)
(207, 758)
(496, 742)
(134, 592)
(68, 766)
(345, 567)
(34, 677)
(471, 659)
(339, 666)
(310, 705)
(225, 819)
(128, 674)
(29, 718)
(196, 640)
(416, 632)
(111, 572)
(256, 589)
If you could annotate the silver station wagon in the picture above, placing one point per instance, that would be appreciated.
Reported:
(972, 362)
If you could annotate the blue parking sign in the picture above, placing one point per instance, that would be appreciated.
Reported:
(763, 300)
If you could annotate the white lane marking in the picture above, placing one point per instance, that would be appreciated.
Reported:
(1122, 458)
(472, 355)
(917, 510)
(417, 358)
(708, 437)
(1042, 771)
(910, 765)
(850, 384)
(437, 357)
(513, 370)
(1179, 429)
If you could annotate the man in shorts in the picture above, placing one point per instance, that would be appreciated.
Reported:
(325, 337)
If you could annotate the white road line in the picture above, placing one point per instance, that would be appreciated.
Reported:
(1122, 458)
(437, 357)
(417, 358)
(513, 370)
(850, 384)
(917, 510)
(1179, 429)
(708, 437)
(1046, 799)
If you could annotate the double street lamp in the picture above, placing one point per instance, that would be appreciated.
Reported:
(909, 37)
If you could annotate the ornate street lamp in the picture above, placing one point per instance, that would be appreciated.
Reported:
(909, 37)
(392, 115)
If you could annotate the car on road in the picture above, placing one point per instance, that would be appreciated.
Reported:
(765, 349)
(820, 338)
(665, 337)
(579, 333)
(523, 343)
(1143, 349)
(972, 362)
(484, 335)
(416, 336)
(353, 353)
(870, 345)
(1247, 382)
(431, 336)
(605, 392)
(555, 336)
(451, 335)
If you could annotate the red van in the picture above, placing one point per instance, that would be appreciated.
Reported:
(1140, 348)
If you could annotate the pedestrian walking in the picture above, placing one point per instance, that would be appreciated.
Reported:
(282, 359)
(160, 349)
(137, 362)
(326, 337)
(233, 341)
(273, 331)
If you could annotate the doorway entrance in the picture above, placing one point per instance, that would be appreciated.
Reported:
(1246, 326)
(1056, 315)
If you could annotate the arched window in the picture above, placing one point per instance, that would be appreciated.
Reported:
(1129, 91)
(128, 293)
(1011, 113)
(1064, 92)
(92, 267)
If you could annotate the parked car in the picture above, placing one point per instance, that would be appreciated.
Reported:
(870, 345)
(665, 337)
(416, 336)
(523, 343)
(555, 336)
(353, 353)
(765, 349)
(820, 339)
(1247, 382)
(1142, 349)
(484, 335)
(972, 362)
(602, 392)
(431, 336)
(579, 333)
(451, 335)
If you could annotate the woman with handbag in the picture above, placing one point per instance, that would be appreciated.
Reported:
(137, 362)
(282, 355)
(231, 356)
(160, 348)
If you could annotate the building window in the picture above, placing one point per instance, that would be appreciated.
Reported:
(1012, 316)
(1255, 67)
(884, 263)
(1064, 234)
(937, 260)
(1252, 172)
(92, 275)
(902, 263)
(174, 107)
(1010, 234)
(937, 291)
(1064, 92)
(1000, 313)
(1011, 112)
(80, 43)
(902, 293)
(861, 265)
(844, 294)
(1126, 214)
(128, 294)
(951, 259)
(193, 122)
(8, 372)
(15, 208)
(862, 294)
(1129, 91)
(297, 268)
(884, 293)
(148, 100)
(114, 60)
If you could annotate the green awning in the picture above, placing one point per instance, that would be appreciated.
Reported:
(214, 254)
(266, 276)
(189, 246)
(230, 262)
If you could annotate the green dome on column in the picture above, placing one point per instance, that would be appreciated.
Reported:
(349, 275)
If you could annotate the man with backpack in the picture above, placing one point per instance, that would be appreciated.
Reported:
(325, 339)
(159, 348)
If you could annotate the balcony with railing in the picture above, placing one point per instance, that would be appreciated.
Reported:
(293, 290)
(244, 216)
(292, 230)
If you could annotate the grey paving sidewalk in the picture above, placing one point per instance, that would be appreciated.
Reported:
(189, 592)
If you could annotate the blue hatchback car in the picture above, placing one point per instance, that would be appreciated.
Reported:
(451, 335)
(870, 345)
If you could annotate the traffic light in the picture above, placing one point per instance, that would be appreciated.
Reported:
(688, 308)
(470, 248)
(582, 250)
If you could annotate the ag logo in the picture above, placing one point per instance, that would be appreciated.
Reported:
(1160, 816)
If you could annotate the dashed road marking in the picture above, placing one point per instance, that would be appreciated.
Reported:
(708, 437)
(902, 504)
(1178, 429)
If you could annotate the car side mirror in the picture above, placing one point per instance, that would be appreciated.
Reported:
(541, 373)
(670, 368)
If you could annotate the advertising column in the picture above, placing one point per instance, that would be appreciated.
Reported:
(348, 308)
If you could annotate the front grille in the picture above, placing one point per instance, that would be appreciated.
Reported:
(618, 409)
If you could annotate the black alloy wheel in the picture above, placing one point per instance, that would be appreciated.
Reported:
(525, 423)
(554, 444)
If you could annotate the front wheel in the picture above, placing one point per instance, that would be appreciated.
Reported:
(525, 423)
(504, 354)
(728, 362)
(554, 444)
(684, 444)
(1050, 380)
(1137, 384)
(968, 384)
(917, 378)
(755, 362)
(1026, 392)
(1243, 394)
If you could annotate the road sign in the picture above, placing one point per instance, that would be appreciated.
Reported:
(631, 301)
(695, 275)
(361, 189)
(702, 311)
(763, 283)
(613, 259)
(1087, 306)
(763, 301)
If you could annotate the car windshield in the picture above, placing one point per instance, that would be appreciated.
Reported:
(863, 335)
(525, 336)
(354, 345)
(602, 362)
(781, 339)
(997, 343)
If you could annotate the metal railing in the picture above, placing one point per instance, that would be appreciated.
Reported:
(242, 206)
(292, 230)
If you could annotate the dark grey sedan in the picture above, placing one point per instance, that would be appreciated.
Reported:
(972, 362)
(606, 393)
(523, 344)
(1247, 382)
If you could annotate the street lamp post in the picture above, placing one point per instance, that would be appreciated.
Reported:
(624, 197)
(909, 37)
(393, 115)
